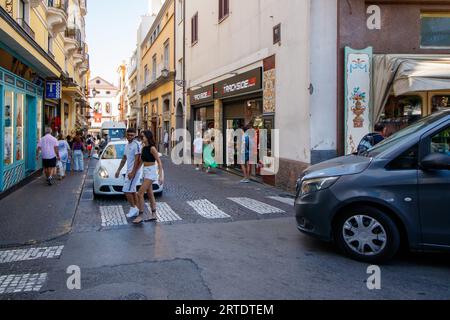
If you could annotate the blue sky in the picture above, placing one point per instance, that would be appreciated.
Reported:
(111, 27)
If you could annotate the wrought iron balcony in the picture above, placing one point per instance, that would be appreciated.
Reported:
(26, 27)
(72, 40)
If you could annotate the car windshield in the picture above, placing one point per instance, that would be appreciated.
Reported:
(404, 134)
(113, 152)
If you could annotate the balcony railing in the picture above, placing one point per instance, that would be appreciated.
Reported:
(75, 34)
(26, 27)
(59, 4)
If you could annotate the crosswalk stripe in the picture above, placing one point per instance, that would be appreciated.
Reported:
(165, 213)
(17, 283)
(113, 216)
(30, 254)
(288, 201)
(256, 206)
(208, 210)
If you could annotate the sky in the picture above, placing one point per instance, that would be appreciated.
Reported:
(111, 27)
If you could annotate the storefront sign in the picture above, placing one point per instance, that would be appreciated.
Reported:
(202, 95)
(358, 96)
(53, 89)
(243, 83)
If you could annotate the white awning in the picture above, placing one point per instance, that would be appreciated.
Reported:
(416, 75)
(407, 73)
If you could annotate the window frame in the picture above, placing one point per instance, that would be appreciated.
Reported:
(425, 142)
(224, 10)
(432, 15)
(194, 29)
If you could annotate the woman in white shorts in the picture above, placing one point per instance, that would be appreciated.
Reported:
(150, 159)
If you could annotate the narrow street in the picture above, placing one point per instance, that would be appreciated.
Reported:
(216, 239)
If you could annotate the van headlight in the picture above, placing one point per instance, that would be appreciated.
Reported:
(315, 185)
(103, 173)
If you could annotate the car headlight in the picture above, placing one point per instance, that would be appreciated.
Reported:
(315, 185)
(103, 173)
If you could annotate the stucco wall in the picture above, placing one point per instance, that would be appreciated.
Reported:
(245, 38)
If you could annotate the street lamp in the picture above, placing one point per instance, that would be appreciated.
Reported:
(166, 73)
(95, 92)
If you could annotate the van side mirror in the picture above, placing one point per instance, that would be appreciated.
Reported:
(96, 156)
(436, 161)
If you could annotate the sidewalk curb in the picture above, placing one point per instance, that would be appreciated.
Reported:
(54, 238)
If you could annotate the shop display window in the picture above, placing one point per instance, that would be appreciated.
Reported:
(19, 126)
(440, 102)
(8, 126)
(39, 120)
(400, 112)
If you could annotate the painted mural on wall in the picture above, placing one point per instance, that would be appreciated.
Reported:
(269, 91)
(358, 96)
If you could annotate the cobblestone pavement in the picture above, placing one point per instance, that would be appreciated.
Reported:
(214, 239)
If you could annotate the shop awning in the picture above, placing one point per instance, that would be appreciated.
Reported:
(403, 74)
(416, 75)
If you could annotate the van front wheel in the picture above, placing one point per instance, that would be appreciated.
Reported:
(367, 234)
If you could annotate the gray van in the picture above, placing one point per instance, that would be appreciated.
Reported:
(397, 193)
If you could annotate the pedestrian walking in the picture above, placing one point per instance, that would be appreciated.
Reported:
(372, 139)
(78, 155)
(152, 163)
(132, 159)
(246, 166)
(89, 146)
(166, 143)
(198, 151)
(48, 147)
(70, 160)
(64, 154)
(208, 155)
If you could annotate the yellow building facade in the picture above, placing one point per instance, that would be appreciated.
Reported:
(158, 74)
(44, 67)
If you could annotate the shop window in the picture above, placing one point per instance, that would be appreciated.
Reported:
(39, 121)
(440, 102)
(435, 32)
(19, 126)
(8, 126)
(440, 143)
(400, 112)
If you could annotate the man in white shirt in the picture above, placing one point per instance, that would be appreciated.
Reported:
(48, 146)
(132, 158)
(166, 142)
(198, 151)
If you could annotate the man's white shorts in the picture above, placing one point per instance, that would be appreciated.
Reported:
(130, 186)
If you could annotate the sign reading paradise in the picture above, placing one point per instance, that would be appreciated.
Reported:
(53, 89)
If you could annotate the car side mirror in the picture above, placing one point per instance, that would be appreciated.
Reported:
(96, 156)
(436, 161)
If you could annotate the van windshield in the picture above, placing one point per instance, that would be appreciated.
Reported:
(404, 134)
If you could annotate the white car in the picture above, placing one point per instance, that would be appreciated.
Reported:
(105, 182)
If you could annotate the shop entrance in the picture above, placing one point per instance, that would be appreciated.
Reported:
(30, 115)
(402, 111)
(237, 115)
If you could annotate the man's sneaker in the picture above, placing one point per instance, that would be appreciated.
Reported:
(134, 212)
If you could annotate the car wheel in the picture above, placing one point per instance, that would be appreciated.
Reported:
(367, 234)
